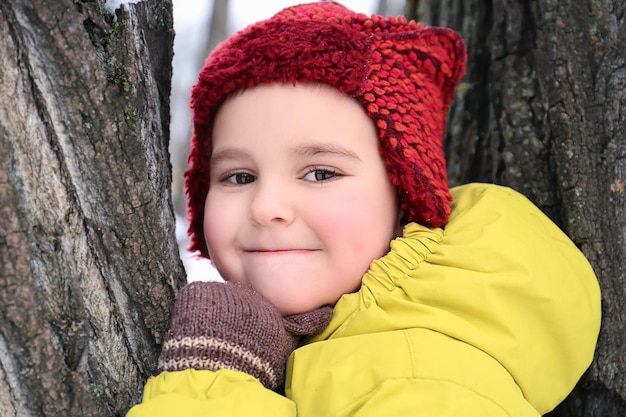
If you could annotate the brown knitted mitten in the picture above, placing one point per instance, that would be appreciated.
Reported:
(219, 325)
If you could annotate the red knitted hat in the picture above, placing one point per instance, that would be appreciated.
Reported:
(402, 73)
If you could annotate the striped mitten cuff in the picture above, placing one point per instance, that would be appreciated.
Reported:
(219, 325)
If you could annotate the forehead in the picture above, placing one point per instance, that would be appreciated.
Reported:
(286, 112)
(297, 95)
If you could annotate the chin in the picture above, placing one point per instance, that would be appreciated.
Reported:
(297, 308)
(287, 310)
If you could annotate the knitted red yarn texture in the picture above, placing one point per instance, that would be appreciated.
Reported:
(402, 73)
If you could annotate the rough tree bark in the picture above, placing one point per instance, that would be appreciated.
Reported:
(89, 264)
(542, 110)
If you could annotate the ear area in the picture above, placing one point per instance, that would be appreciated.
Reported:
(413, 74)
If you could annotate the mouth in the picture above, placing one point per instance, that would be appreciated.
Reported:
(280, 251)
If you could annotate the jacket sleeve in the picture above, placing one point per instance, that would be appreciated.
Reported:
(401, 373)
(223, 393)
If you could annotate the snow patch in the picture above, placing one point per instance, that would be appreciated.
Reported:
(112, 5)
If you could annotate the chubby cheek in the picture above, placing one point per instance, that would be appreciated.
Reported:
(363, 223)
(218, 227)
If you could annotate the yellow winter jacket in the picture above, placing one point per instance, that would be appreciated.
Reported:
(495, 315)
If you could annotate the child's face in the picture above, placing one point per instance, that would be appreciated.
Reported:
(299, 202)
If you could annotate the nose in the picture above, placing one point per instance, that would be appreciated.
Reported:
(271, 204)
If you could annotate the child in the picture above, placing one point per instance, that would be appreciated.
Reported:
(318, 187)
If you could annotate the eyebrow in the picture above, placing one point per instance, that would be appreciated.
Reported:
(325, 149)
(228, 154)
(301, 151)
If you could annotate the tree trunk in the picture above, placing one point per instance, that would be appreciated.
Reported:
(541, 110)
(89, 264)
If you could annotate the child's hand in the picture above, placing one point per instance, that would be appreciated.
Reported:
(230, 326)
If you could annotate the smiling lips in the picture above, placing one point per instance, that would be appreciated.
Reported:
(280, 251)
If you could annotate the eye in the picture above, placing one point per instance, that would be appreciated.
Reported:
(238, 178)
(318, 174)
